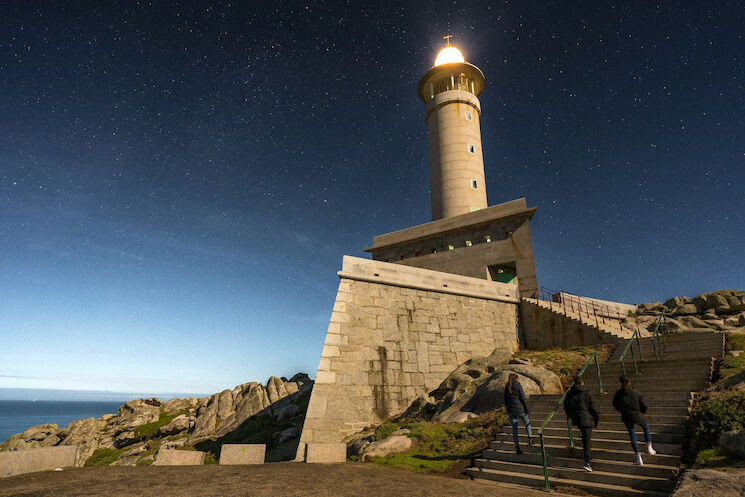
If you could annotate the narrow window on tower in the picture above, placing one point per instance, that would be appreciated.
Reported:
(471, 149)
(469, 116)
(474, 184)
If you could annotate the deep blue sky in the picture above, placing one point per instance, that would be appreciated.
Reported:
(179, 182)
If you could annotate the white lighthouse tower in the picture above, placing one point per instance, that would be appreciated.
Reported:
(456, 164)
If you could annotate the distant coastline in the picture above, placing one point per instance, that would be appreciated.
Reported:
(49, 394)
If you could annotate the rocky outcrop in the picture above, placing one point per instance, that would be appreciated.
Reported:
(719, 310)
(143, 424)
(732, 443)
(698, 482)
(477, 386)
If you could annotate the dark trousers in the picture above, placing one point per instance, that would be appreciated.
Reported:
(587, 442)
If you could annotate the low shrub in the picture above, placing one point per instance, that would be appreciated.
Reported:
(711, 416)
(103, 457)
(384, 431)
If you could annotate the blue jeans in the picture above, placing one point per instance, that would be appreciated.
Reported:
(513, 422)
(632, 436)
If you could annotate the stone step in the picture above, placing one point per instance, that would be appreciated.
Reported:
(603, 403)
(606, 400)
(537, 481)
(614, 424)
(607, 434)
(662, 397)
(668, 356)
(643, 384)
(656, 470)
(609, 417)
(602, 443)
(641, 482)
(654, 368)
(504, 443)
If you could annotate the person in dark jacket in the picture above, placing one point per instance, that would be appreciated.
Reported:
(630, 403)
(517, 408)
(581, 410)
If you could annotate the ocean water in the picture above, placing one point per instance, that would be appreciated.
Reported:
(17, 415)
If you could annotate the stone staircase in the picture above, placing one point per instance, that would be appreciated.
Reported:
(607, 326)
(668, 385)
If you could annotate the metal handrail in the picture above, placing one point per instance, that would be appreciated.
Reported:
(659, 335)
(633, 356)
(569, 422)
(600, 313)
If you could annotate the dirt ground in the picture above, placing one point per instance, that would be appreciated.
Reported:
(277, 479)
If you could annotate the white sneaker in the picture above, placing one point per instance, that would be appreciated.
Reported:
(587, 468)
(639, 461)
(650, 450)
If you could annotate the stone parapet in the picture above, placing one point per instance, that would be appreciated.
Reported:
(18, 462)
(235, 454)
(355, 268)
(173, 457)
(325, 452)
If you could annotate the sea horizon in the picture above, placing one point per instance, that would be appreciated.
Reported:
(22, 408)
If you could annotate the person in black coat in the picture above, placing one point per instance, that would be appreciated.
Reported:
(581, 410)
(630, 403)
(516, 406)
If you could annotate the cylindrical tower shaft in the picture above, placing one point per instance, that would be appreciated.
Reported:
(456, 164)
(453, 114)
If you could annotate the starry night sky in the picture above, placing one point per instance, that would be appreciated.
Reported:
(179, 181)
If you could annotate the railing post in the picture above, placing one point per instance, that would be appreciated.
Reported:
(545, 463)
(633, 358)
(563, 303)
(600, 376)
(571, 435)
(597, 325)
(639, 344)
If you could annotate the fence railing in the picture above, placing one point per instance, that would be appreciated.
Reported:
(563, 302)
(560, 404)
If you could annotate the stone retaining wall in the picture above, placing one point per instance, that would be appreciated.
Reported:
(395, 333)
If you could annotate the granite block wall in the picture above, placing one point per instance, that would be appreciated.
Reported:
(395, 333)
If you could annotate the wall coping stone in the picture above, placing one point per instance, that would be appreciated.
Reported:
(387, 273)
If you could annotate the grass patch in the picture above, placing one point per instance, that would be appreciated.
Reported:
(384, 431)
(145, 462)
(150, 430)
(103, 457)
(209, 459)
(732, 366)
(564, 362)
(441, 447)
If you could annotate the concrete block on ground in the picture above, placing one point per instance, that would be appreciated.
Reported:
(173, 457)
(232, 454)
(18, 462)
(325, 452)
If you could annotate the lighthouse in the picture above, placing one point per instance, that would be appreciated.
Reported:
(450, 90)
(466, 236)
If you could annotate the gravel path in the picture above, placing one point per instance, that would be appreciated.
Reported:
(277, 479)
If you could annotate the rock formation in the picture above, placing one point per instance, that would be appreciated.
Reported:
(144, 425)
(721, 310)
